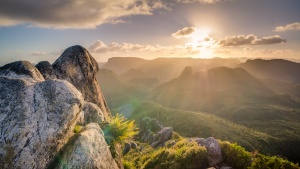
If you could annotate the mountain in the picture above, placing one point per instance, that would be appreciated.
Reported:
(211, 90)
(236, 95)
(118, 91)
(164, 69)
(283, 87)
(122, 64)
(277, 69)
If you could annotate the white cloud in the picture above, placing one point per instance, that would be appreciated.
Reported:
(201, 1)
(184, 33)
(72, 13)
(288, 27)
(275, 52)
(101, 47)
(37, 53)
(251, 39)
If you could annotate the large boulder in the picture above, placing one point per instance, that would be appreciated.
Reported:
(152, 132)
(92, 113)
(46, 70)
(214, 154)
(36, 120)
(88, 149)
(22, 69)
(77, 66)
(164, 135)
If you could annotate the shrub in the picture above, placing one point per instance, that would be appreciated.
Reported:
(235, 156)
(77, 129)
(183, 155)
(266, 162)
(119, 130)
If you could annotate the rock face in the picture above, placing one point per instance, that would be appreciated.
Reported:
(88, 150)
(152, 132)
(46, 70)
(214, 154)
(35, 120)
(92, 113)
(38, 117)
(21, 69)
(77, 66)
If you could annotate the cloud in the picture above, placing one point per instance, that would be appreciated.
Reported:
(251, 39)
(100, 47)
(37, 53)
(184, 33)
(222, 51)
(201, 1)
(275, 52)
(72, 13)
(288, 27)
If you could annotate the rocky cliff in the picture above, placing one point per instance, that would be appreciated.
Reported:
(40, 107)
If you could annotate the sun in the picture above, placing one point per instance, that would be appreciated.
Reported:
(202, 42)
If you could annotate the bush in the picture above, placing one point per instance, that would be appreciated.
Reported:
(235, 155)
(119, 130)
(182, 155)
(266, 162)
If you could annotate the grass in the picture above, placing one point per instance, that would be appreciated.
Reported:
(184, 154)
(179, 155)
(199, 124)
(250, 130)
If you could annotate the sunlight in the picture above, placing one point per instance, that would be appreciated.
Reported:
(201, 41)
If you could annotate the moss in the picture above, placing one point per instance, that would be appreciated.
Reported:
(78, 129)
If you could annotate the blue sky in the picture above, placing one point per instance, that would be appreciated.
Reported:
(37, 30)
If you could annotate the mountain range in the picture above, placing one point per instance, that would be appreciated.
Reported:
(260, 95)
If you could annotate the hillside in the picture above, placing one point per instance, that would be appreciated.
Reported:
(258, 136)
(277, 69)
(283, 87)
(254, 114)
(211, 90)
(118, 91)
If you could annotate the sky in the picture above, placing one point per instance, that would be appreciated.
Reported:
(37, 30)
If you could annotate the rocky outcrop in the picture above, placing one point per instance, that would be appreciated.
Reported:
(164, 135)
(46, 70)
(152, 132)
(38, 116)
(36, 120)
(77, 66)
(214, 154)
(88, 149)
(21, 69)
(92, 113)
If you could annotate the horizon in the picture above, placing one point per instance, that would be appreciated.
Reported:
(150, 29)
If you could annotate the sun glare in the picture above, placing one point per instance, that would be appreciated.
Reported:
(201, 41)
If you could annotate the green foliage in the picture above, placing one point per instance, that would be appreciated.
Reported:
(180, 155)
(128, 165)
(266, 162)
(77, 129)
(235, 155)
(119, 130)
